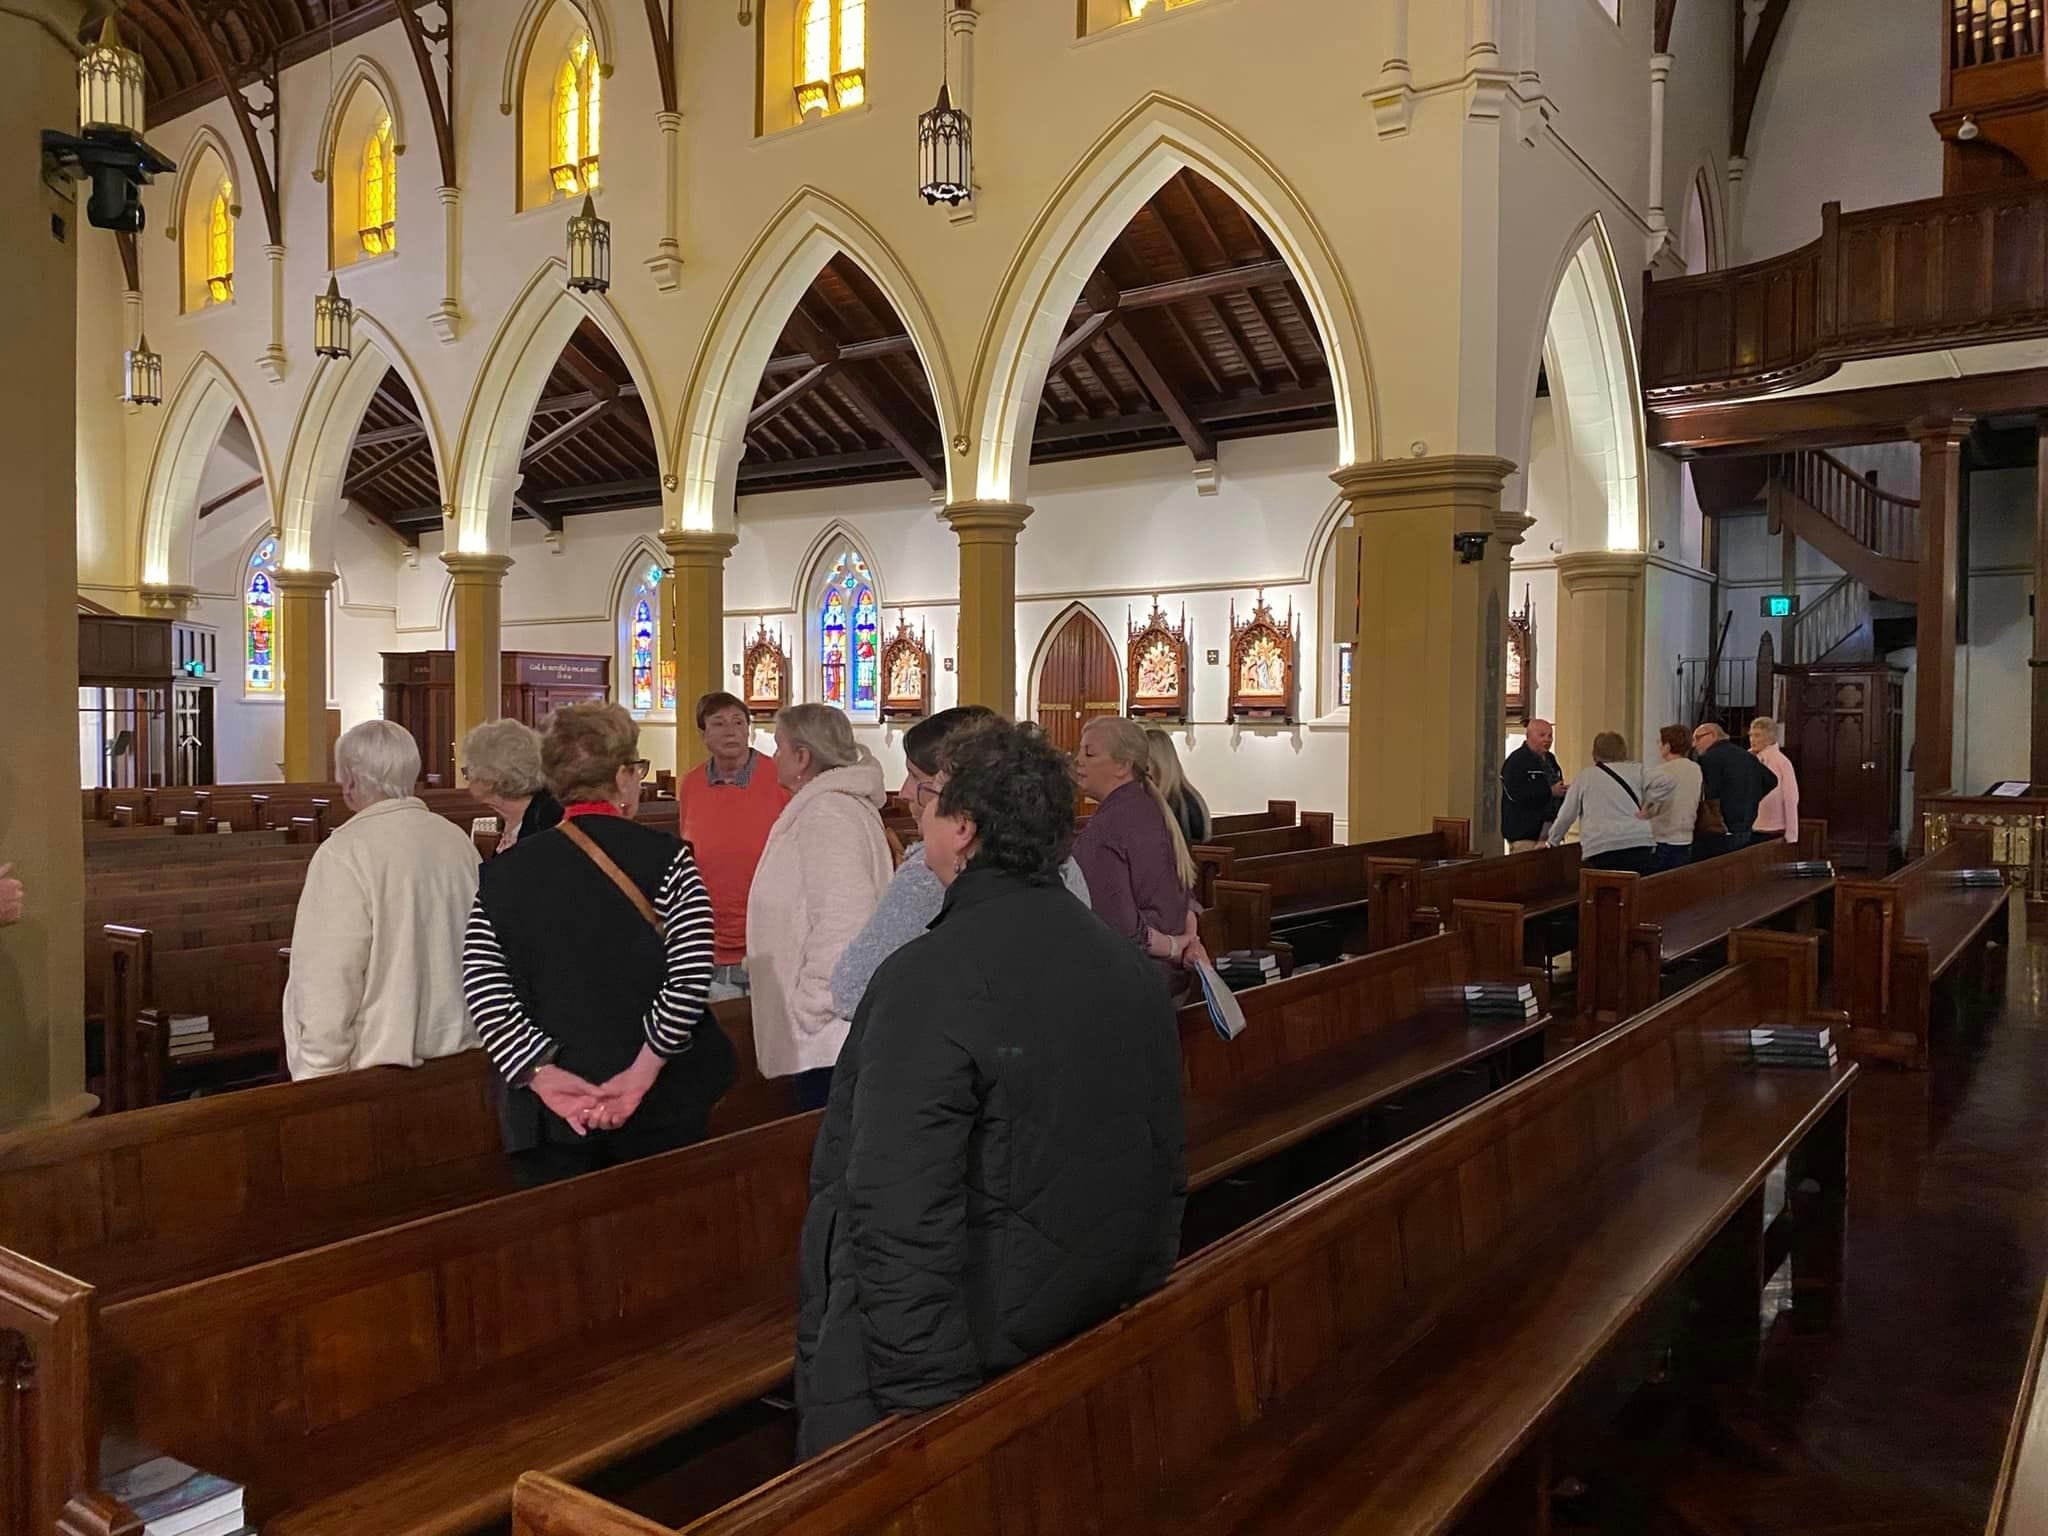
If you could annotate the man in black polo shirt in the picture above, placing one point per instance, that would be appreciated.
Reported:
(1733, 782)
(1531, 784)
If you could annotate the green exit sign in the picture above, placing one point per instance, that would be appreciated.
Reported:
(1780, 605)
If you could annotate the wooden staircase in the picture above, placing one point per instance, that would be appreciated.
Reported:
(1825, 629)
(1871, 534)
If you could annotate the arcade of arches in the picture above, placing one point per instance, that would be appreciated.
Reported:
(1414, 389)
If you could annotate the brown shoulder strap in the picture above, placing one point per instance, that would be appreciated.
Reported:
(613, 873)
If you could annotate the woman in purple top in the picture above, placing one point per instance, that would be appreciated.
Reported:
(1140, 874)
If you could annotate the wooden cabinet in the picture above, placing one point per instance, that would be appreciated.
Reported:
(419, 694)
(536, 684)
(1843, 734)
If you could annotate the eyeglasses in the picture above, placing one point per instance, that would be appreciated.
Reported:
(928, 789)
(641, 766)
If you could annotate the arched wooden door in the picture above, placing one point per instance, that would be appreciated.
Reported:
(1078, 680)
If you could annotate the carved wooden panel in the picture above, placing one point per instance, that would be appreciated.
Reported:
(906, 674)
(1157, 666)
(764, 674)
(1262, 660)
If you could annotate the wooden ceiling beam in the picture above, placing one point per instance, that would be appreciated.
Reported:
(1272, 329)
(548, 519)
(789, 394)
(1750, 63)
(867, 458)
(1163, 391)
(208, 508)
(1667, 13)
(824, 349)
(370, 474)
(550, 441)
(849, 352)
(619, 492)
(404, 432)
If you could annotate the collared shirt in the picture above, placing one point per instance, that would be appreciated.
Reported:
(737, 780)
(1126, 853)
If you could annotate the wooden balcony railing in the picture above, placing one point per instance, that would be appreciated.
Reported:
(1882, 523)
(1905, 278)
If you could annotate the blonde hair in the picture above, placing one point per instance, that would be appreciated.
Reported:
(822, 731)
(585, 747)
(1166, 770)
(1125, 741)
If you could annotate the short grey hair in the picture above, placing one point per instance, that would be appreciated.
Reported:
(821, 730)
(504, 757)
(1765, 726)
(380, 758)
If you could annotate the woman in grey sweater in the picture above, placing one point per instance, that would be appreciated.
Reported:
(914, 895)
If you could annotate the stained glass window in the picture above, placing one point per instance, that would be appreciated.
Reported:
(378, 228)
(220, 245)
(1343, 677)
(578, 120)
(831, 56)
(643, 655)
(259, 621)
(850, 639)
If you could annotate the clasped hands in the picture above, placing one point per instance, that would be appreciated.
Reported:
(606, 1106)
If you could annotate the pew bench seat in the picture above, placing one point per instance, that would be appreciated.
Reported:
(1297, 1104)
(1402, 1448)
(446, 1461)
(1950, 922)
(1704, 924)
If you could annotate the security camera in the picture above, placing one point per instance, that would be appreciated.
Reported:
(117, 164)
(1471, 547)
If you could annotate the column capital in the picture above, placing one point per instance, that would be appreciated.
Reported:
(698, 546)
(477, 570)
(1660, 67)
(1408, 485)
(174, 601)
(1930, 431)
(1598, 570)
(315, 582)
(986, 521)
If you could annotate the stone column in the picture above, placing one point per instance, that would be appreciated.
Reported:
(1426, 684)
(1654, 216)
(42, 958)
(302, 633)
(1941, 493)
(479, 608)
(694, 608)
(988, 601)
(273, 363)
(1599, 652)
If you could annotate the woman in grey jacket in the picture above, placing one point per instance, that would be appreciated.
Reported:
(1604, 803)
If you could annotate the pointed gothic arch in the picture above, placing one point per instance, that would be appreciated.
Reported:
(360, 69)
(809, 231)
(515, 371)
(838, 559)
(1156, 140)
(324, 435)
(204, 400)
(596, 16)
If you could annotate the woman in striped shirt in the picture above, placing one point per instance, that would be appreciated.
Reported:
(586, 965)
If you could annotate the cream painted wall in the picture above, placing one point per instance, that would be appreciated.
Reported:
(1842, 116)
(1697, 99)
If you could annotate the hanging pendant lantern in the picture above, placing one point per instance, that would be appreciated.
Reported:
(945, 153)
(142, 375)
(333, 322)
(110, 83)
(590, 250)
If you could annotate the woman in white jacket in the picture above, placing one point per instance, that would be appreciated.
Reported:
(820, 879)
(1606, 803)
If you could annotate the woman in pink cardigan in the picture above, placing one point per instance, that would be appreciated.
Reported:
(1777, 814)
(820, 878)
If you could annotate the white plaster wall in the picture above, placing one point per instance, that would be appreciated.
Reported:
(1697, 98)
(1842, 116)
(1993, 704)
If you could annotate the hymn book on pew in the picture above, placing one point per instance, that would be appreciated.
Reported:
(1805, 869)
(1224, 1012)
(1978, 878)
(1500, 1000)
(172, 1499)
(1782, 1045)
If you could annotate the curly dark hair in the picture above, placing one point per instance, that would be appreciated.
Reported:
(1018, 790)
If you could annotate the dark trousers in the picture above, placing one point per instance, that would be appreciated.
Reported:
(1670, 856)
(1713, 847)
(1635, 861)
(553, 1160)
(813, 1088)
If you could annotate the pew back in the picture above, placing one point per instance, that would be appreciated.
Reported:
(1411, 900)
(1278, 813)
(1316, 829)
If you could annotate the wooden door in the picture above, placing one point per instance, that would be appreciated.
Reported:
(1078, 680)
(1842, 734)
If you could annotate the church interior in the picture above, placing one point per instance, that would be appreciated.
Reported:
(1353, 392)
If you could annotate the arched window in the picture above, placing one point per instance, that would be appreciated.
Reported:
(377, 225)
(220, 245)
(577, 118)
(259, 622)
(831, 56)
(643, 655)
(849, 639)
(650, 668)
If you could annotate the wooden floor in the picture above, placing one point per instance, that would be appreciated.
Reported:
(1892, 1423)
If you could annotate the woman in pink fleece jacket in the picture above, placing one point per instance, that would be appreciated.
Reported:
(1777, 814)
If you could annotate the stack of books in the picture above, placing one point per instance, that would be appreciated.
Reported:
(191, 1034)
(1243, 968)
(172, 1499)
(1501, 1000)
(1792, 1045)
(1806, 869)
(1979, 877)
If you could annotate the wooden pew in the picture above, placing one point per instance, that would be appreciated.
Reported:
(1278, 813)
(1327, 884)
(1896, 938)
(2019, 1504)
(397, 1371)
(1240, 916)
(1409, 900)
(1632, 926)
(163, 903)
(1316, 829)
(1386, 1353)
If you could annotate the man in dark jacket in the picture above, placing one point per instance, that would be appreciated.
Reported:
(1531, 785)
(1735, 782)
(1001, 1162)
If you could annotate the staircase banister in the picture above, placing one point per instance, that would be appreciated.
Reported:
(1909, 503)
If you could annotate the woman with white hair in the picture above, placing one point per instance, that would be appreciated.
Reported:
(1141, 877)
(376, 970)
(821, 876)
(501, 765)
(1777, 814)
